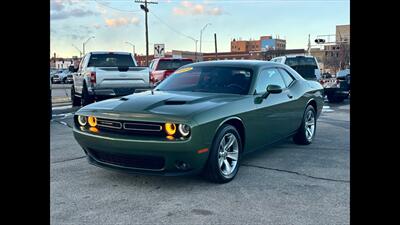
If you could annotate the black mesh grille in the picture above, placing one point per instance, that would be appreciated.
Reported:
(129, 127)
(133, 161)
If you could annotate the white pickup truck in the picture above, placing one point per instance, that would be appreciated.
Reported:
(103, 75)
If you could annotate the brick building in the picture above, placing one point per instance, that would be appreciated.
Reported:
(265, 42)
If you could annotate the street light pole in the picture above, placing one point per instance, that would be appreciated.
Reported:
(133, 46)
(84, 43)
(201, 34)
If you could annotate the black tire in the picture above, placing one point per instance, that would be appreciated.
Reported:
(86, 99)
(335, 99)
(212, 170)
(301, 136)
(52, 81)
(76, 101)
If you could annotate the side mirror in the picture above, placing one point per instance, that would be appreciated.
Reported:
(272, 89)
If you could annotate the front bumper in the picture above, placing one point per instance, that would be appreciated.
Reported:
(116, 152)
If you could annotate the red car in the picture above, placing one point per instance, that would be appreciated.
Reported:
(161, 68)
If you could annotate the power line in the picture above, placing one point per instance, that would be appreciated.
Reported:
(170, 27)
(121, 10)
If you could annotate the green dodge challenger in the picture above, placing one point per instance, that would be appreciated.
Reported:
(201, 119)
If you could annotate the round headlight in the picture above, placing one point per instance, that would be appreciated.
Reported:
(170, 128)
(82, 120)
(92, 121)
(184, 129)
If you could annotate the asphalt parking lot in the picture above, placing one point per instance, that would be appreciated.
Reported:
(284, 184)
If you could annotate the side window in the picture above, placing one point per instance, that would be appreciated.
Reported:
(151, 65)
(287, 77)
(268, 77)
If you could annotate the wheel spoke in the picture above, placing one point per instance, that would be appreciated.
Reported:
(220, 161)
(233, 155)
(309, 132)
(227, 166)
(231, 140)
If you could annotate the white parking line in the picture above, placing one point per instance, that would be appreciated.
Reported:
(62, 107)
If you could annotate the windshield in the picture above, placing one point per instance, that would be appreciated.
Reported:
(111, 60)
(172, 64)
(304, 66)
(209, 79)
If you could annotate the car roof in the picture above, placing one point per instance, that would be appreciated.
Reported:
(170, 58)
(253, 64)
(113, 52)
(299, 56)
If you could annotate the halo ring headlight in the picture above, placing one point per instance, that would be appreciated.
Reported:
(82, 120)
(170, 128)
(184, 129)
(92, 121)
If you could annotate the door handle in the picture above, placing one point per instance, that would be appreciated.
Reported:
(290, 96)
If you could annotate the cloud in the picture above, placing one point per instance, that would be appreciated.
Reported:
(59, 5)
(77, 37)
(71, 13)
(186, 4)
(215, 11)
(188, 8)
(97, 26)
(198, 9)
(122, 21)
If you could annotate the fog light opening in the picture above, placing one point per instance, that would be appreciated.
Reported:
(181, 165)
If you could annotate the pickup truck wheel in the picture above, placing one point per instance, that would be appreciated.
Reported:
(76, 101)
(86, 99)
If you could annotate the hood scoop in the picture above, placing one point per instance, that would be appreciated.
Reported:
(175, 102)
(124, 99)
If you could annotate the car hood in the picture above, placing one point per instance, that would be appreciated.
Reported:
(179, 104)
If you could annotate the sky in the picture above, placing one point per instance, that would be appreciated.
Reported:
(176, 23)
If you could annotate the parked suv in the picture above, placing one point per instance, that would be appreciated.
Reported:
(161, 68)
(335, 88)
(103, 75)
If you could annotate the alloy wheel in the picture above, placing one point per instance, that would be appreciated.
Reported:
(228, 154)
(310, 125)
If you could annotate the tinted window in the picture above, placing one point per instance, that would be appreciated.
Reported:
(286, 76)
(268, 77)
(171, 64)
(111, 60)
(305, 66)
(208, 79)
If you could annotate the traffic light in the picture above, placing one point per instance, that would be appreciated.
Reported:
(319, 41)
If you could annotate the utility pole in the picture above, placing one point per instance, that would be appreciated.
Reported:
(146, 10)
(309, 45)
(215, 43)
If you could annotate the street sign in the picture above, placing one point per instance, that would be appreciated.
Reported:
(159, 50)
